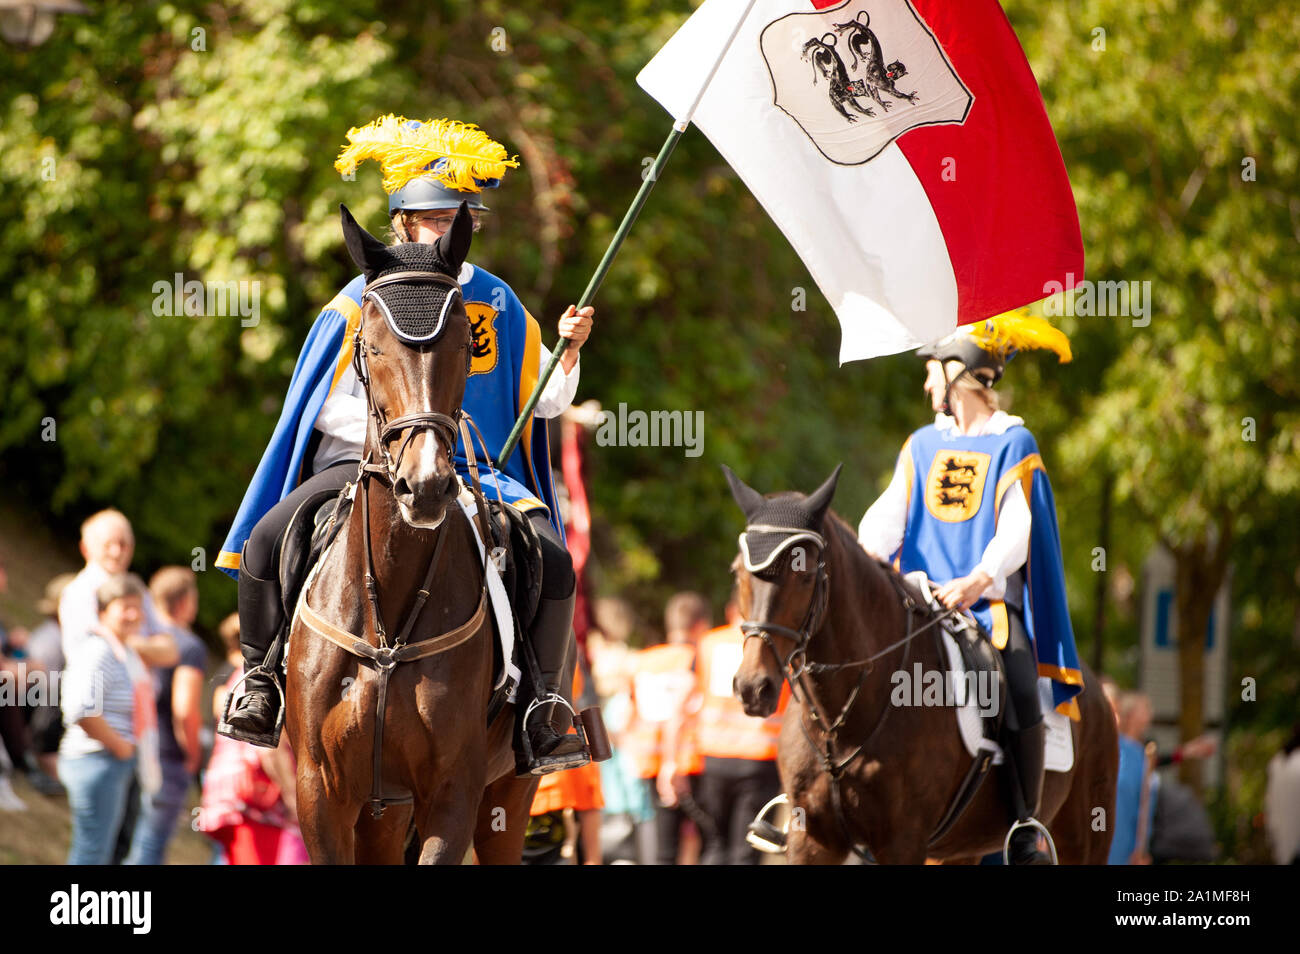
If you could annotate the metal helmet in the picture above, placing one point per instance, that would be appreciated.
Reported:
(428, 193)
(961, 347)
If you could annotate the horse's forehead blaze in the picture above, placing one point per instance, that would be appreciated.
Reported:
(744, 592)
(754, 656)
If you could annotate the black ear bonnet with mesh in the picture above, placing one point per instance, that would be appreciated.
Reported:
(417, 305)
(774, 524)
(414, 284)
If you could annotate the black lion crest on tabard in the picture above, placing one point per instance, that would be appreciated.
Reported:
(482, 344)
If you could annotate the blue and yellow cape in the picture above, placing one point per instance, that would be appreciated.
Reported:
(956, 487)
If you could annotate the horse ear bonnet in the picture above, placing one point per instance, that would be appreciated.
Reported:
(786, 513)
(416, 310)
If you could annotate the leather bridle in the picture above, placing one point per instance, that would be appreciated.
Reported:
(817, 604)
(443, 425)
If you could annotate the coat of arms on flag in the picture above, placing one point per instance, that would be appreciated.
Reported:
(901, 146)
(857, 76)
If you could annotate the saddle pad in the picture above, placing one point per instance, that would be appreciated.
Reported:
(1059, 744)
(498, 598)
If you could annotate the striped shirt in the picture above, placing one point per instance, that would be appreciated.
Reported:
(96, 683)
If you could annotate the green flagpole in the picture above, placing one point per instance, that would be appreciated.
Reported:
(679, 127)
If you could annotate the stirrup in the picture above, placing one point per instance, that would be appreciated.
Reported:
(545, 764)
(263, 740)
(765, 836)
(1028, 823)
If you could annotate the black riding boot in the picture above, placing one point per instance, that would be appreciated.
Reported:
(1024, 750)
(255, 718)
(552, 749)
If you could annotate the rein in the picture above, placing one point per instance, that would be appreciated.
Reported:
(801, 677)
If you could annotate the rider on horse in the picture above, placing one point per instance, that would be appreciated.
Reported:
(970, 504)
(430, 169)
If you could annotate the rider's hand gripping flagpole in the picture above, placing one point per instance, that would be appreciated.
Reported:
(679, 127)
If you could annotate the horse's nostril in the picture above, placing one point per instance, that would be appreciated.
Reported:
(401, 488)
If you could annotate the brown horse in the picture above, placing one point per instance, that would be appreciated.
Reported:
(441, 765)
(898, 767)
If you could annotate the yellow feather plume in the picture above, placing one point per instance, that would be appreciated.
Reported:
(403, 152)
(1019, 331)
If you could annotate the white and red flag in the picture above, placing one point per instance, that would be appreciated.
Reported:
(902, 146)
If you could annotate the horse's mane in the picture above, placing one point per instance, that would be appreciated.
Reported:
(861, 564)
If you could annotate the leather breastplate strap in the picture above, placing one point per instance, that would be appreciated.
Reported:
(390, 656)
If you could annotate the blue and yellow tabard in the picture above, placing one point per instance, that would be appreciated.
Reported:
(956, 487)
(503, 371)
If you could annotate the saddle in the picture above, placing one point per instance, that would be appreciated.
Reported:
(517, 552)
(515, 545)
(978, 656)
(312, 528)
(320, 517)
(513, 533)
(974, 645)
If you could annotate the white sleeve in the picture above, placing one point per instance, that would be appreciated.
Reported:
(78, 694)
(559, 391)
(882, 526)
(343, 415)
(78, 612)
(1009, 548)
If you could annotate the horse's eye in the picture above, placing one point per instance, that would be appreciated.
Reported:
(374, 349)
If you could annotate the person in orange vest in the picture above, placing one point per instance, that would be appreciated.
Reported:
(575, 790)
(739, 752)
(663, 682)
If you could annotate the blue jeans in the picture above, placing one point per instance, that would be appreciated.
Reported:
(97, 785)
(158, 813)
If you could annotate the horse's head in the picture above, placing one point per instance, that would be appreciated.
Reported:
(781, 585)
(412, 353)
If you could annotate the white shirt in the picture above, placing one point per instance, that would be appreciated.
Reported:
(79, 609)
(343, 418)
(882, 526)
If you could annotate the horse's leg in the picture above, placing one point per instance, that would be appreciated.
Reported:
(804, 848)
(446, 817)
(1083, 828)
(327, 827)
(905, 847)
(503, 820)
(382, 841)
